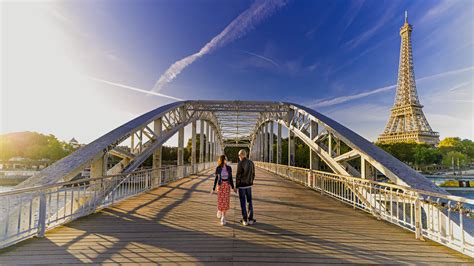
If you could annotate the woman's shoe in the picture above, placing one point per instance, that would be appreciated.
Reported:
(223, 221)
(219, 214)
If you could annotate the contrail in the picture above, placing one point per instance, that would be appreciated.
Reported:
(240, 26)
(262, 57)
(457, 87)
(135, 89)
(343, 99)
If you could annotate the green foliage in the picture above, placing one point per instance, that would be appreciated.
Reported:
(449, 142)
(423, 155)
(403, 151)
(301, 154)
(426, 155)
(455, 156)
(33, 146)
(232, 153)
(188, 149)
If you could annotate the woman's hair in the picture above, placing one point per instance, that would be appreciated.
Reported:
(220, 161)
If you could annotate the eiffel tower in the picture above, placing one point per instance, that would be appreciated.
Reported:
(407, 123)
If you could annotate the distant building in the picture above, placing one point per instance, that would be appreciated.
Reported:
(407, 122)
(20, 163)
(74, 143)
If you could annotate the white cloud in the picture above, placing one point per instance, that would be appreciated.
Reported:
(343, 99)
(460, 86)
(451, 126)
(366, 119)
(437, 10)
(385, 17)
(269, 60)
(134, 88)
(238, 28)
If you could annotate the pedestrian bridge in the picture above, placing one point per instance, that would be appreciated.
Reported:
(177, 223)
(355, 203)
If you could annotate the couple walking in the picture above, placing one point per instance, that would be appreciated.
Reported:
(243, 183)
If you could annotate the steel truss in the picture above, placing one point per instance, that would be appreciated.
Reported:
(236, 124)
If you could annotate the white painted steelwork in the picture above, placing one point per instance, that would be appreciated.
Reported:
(222, 124)
(438, 217)
(30, 212)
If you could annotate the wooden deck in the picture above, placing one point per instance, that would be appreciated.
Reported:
(177, 224)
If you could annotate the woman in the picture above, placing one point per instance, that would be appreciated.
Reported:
(224, 182)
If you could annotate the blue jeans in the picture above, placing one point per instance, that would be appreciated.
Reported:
(245, 194)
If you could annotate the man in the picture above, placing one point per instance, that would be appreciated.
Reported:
(244, 181)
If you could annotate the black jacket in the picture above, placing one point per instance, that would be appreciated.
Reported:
(218, 179)
(245, 173)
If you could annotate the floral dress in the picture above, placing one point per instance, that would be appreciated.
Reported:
(223, 193)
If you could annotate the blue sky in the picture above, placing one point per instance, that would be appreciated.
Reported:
(334, 56)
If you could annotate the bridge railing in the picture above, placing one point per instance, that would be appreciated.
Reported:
(442, 218)
(29, 212)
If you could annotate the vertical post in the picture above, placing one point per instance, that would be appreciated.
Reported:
(313, 158)
(291, 148)
(201, 142)
(157, 128)
(211, 145)
(97, 167)
(291, 142)
(363, 170)
(207, 142)
(181, 146)
(265, 142)
(259, 147)
(140, 143)
(262, 145)
(330, 144)
(270, 151)
(41, 215)
(193, 146)
(418, 220)
(132, 143)
(279, 152)
(255, 149)
(216, 143)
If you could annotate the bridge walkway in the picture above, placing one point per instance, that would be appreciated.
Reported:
(177, 224)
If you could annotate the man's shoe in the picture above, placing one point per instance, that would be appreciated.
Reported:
(243, 222)
(252, 221)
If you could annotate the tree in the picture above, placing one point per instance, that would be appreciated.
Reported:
(449, 143)
(33, 145)
(455, 156)
(232, 153)
(189, 146)
(425, 155)
(404, 151)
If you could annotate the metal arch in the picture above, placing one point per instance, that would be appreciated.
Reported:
(175, 116)
(235, 123)
(298, 120)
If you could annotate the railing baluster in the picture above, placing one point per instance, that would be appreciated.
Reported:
(42, 215)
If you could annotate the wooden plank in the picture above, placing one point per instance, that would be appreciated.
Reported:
(177, 224)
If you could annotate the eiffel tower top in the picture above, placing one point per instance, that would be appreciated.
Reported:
(406, 26)
(406, 87)
(407, 121)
